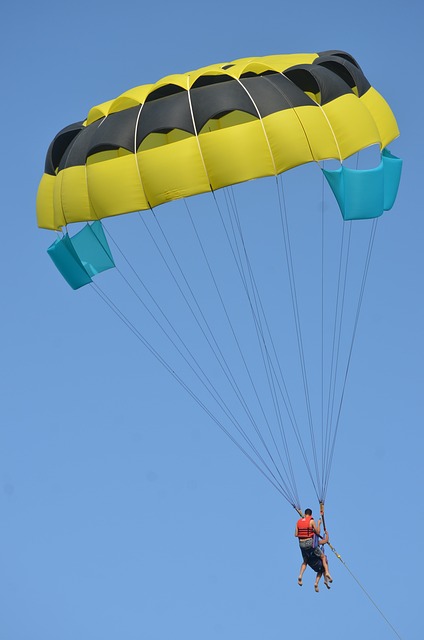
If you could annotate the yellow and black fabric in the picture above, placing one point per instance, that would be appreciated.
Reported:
(199, 131)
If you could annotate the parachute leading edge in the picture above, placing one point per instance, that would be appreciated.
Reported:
(85, 255)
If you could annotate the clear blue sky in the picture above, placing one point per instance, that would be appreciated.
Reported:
(124, 512)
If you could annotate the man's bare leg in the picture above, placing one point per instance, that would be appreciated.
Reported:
(302, 571)
(318, 578)
(326, 571)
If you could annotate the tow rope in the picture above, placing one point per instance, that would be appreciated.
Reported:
(321, 510)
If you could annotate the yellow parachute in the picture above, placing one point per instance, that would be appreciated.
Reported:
(206, 131)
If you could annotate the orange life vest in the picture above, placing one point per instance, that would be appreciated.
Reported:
(304, 530)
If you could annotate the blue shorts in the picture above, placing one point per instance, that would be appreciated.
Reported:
(313, 560)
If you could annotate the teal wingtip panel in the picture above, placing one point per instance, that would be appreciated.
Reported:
(67, 262)
(83, 256)
(92, 248)
(392, 172)
(366, 193)
(359, 193)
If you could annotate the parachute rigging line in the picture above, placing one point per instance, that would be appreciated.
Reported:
(227, 371)
(290, 493)
(239, 250)
(232, 381)
(208, 384)
(125, 320)
(358, 310)
(295, 308)
(258, 312)
(336, 337)
(223, 363)
(280, 380)
(322, 310)
(235, 242)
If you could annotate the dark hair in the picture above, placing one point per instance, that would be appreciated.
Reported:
(308, 512)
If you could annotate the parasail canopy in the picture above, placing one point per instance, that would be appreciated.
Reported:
(206, 131)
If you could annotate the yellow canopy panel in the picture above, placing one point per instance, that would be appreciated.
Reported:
(210, 128)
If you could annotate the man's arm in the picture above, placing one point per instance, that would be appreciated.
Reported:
(324, 540)
(316, 527)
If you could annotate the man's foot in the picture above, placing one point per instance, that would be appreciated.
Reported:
(329, 578)
(316, 588)
(326, 583)
(299, 581)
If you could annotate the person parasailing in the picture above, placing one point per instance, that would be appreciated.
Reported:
(308, 533)
(316, 559)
